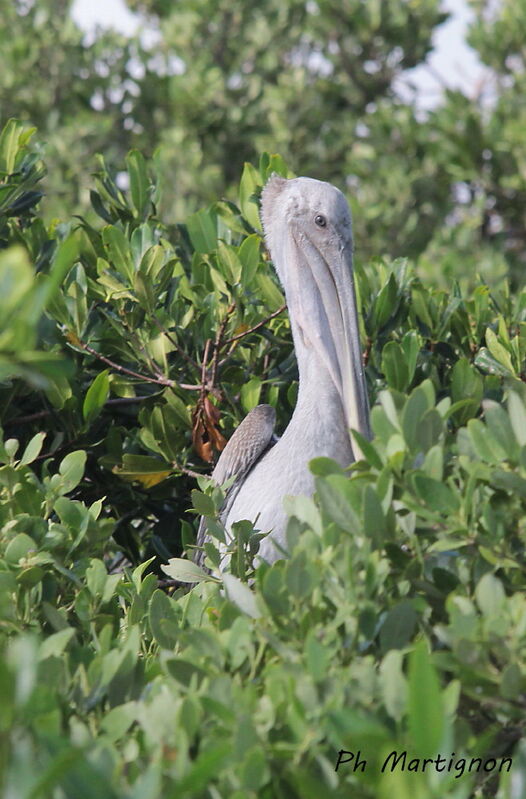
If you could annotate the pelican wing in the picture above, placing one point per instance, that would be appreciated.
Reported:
(248, 443)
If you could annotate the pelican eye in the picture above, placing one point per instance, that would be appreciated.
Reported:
(320, 220)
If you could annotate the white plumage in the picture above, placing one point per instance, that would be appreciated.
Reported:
(308, 231)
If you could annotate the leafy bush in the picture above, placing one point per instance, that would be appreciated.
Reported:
(129, 351)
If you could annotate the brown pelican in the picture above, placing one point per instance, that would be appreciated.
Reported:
(307, 227)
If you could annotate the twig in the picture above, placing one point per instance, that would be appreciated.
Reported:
(218, 343)
(160, 381)
(256, 327)
(203, 369)
(184, 470)
(31, 417)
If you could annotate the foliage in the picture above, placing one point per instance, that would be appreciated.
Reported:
(207, 88)
(129, 350)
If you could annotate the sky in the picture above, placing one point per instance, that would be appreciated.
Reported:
(452, 63)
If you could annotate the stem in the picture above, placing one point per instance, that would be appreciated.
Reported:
(256, 327)
(161, 380)
(218, 343)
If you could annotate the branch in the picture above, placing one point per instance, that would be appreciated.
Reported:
(218, 343)
(184, 470)
(256, 327)
(160, 380)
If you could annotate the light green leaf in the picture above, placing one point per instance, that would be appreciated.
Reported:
(55, 644)
(394, 366)
(240, 594)
(250, 393)
(517, 413)
(9, 143)
(203, 503)
(185, 571)
(32, 451)
(202, 229)
(499, 352)
(490, 595)
(119, 253)
(436, 495)
(139, 182)
(72, 470)
(393, 684)
(426, 715)
(19, 547)
(96, 397)
(249, 256)
(250, 182)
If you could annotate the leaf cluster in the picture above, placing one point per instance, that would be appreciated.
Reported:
(129, 349)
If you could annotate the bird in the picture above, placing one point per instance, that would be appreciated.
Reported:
(308, 232)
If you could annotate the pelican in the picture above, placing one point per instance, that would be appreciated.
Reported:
(307, 225)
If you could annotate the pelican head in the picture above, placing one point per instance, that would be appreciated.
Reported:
(308, 230)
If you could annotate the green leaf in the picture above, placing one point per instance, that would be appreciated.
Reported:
(490, 595)
(143, 469)
(322, 467)
(229, 263)
(72, 470)
(374, 524)
(139, 182)
(499, 352)
(393, 684)
(398, 626)
(185, 571)
(426, 717)
(96, 576)
(204, 769)
(486, 446)
(250, 393)
(250, 182)
(32, 451)
(270, 293)
(435, 495)
(466, 383)
(65, 256)
(411, 348)
(20, 547)
(9, 144)
(517, 413)
(429, 430)
(203, 503)
(394, 366)
(318, 657)
(118, 250)
(485, 361)
(163, 619)
(249, 257)
(385, 304)
(55, 644)
(240, 594)
(332, 492)
(118, 721)
(369, 451)
(202, 229)
(96, 397)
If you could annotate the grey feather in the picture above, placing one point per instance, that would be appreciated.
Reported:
(248, 443)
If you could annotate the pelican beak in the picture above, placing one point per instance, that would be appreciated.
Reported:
(345, 331)
(334, 313)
